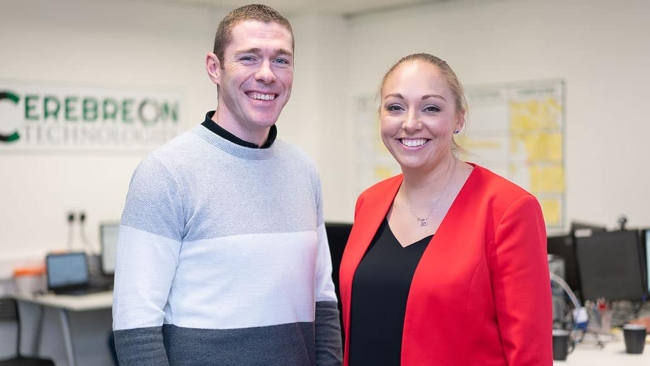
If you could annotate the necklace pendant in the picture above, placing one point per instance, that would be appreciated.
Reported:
(424, 222)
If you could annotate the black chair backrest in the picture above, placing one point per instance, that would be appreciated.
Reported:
(9, 313)
(8, 309)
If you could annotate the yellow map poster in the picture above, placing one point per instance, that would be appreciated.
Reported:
(516, 130)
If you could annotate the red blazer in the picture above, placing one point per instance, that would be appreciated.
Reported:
(481, 294)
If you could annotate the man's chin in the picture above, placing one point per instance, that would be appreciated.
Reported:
(265, 121)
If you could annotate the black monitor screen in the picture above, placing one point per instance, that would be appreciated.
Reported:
(646, 237)
(337, 236)
(580, 225)
(609, 265)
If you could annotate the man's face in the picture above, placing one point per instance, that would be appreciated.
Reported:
(254, 79)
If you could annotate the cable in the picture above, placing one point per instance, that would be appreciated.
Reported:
(70, 224)
(576, 303)
(82, 232)
(579, 313)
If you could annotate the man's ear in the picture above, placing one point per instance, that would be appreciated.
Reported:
(213, 67)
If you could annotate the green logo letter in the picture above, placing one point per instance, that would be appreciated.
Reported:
(14, 98)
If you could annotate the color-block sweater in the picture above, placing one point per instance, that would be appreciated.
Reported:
(223, 258)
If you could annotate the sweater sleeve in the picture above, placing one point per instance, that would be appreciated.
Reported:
(328, 335)
(147, 257)
(329, 351)
(327, 322)
(521, 283)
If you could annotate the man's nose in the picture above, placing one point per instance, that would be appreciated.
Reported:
(265, 73)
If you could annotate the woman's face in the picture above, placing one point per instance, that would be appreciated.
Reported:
(418, 115)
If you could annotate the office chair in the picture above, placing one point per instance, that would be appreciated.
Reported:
(9, 313)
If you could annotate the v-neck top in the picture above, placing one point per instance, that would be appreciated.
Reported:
(379, 293)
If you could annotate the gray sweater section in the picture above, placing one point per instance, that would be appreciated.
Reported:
(199, 188)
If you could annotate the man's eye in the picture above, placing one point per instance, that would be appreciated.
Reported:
(283, 61)
(246, 58)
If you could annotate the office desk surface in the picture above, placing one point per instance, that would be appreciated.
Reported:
(612, 354)
(95, 301)
(84, 320)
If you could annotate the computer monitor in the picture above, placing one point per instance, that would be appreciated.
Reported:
(610, 265)
(645, 238)
(67, 270)
(583, 227)
(337, 236)
(108, 232)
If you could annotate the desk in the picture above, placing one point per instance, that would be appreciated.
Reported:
(612, 354)
(93, 313)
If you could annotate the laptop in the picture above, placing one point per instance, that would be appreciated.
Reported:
(67, 274)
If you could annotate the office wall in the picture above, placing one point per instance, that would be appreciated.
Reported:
(599, 47)
(80, 43)
(317, 118)
(143, 46)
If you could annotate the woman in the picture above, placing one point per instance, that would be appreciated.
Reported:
(446, 263)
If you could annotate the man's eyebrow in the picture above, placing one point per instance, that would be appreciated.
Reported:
(279, 51)
(285, 52)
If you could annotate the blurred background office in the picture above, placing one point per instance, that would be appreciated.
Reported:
(597, 51)
(597, 48)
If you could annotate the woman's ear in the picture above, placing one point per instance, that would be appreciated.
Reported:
(460, 121)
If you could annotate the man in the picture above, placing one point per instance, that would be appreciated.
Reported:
(222, 256)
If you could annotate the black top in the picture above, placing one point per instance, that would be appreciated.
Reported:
(214, 127)
(380, 289)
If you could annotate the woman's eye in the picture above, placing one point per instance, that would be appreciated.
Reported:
(432, 108)
(393, 107)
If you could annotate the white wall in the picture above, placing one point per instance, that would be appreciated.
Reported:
(599, 47)
(76, 42)
(142, 46)
(318, 116)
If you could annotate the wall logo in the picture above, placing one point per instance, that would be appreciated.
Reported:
(46, 118)
(13, 136)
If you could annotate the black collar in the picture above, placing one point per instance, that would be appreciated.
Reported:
(214, 127)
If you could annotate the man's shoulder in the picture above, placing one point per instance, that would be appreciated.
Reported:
(178, 147)
(290, 151)
(175, 153)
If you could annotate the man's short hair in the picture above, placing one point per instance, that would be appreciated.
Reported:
(256, 12)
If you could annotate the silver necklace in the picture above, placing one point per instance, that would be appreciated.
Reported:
(425, 221)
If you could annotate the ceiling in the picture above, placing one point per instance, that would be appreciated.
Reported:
(288, 7)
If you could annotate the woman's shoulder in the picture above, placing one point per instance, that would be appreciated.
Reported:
(495, 183)
(501, 195)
